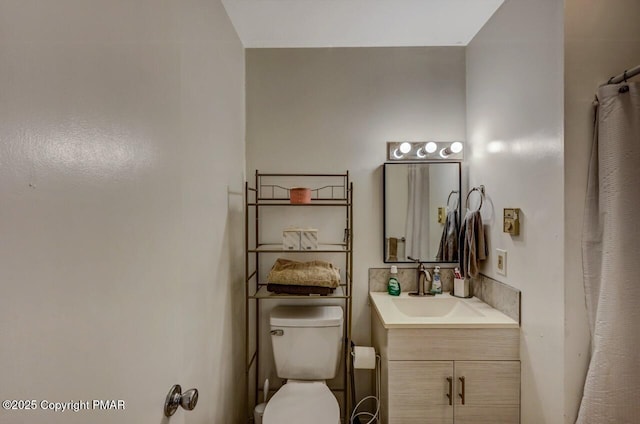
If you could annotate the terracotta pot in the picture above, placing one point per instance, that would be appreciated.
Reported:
(300, 195)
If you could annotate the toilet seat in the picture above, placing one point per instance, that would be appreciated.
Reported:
(297, 401)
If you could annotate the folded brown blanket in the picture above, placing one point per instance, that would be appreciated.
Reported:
(291, 289)
(313, 273)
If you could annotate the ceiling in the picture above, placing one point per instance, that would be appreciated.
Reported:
(358, 23)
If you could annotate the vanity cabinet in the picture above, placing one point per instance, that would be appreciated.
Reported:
(491, 392)
(427, 372)
(417, 392)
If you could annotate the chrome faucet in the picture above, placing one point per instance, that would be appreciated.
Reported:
(422, 277)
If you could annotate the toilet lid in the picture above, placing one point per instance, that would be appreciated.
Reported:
(302, 401)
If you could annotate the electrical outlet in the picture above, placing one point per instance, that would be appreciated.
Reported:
(501, 261)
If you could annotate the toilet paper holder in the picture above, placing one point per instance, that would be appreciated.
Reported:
(364, 357)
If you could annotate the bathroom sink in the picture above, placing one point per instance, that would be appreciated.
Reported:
(441, 311)
(434, 307)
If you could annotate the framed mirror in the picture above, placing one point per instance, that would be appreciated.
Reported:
(421, 211)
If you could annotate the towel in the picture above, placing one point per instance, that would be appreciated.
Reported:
(448, 249)
(392, 249)
(472, 246)
(300, 290)
(313, 273)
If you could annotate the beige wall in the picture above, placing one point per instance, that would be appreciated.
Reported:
(329, 110)
(602, 39)
(514, 131)
(121, 257)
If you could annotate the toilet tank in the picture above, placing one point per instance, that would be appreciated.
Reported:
(306, 341)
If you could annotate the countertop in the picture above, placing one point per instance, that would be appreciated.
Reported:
(405, 311)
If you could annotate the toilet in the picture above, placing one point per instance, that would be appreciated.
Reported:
(307, 346)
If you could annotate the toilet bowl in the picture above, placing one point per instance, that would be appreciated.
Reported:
(307, 345)
(310, 402)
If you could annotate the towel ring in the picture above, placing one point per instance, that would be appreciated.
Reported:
(479, 190)
(451, 194)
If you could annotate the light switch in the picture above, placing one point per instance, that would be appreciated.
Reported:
(441, 215)
(511, 221)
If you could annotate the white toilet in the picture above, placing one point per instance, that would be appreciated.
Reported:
(307, 345)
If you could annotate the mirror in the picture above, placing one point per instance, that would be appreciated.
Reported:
(416, 210)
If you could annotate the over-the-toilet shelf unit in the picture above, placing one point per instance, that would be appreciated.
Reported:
(271, 192)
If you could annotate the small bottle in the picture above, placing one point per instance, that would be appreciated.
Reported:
(436, 286)
(393, 287)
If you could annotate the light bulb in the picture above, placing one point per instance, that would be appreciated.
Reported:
(405, 147)
(456, 147)
(396, 155)
(444, 153)
(420, 154)
(430, 147)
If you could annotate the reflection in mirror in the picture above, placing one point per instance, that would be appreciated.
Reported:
(421, 211)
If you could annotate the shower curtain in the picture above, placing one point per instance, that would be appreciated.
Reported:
(611, 260)
(417, 228)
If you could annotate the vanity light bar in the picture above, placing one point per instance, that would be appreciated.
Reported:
(424, 150)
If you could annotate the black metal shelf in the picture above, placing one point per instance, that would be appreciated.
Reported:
(307, 205)
(334, 190)
(263, 293)
(322, 248)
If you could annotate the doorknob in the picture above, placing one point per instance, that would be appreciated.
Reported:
(175, 398)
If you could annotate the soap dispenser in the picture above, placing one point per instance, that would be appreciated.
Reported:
(436, 286)
(393, 287)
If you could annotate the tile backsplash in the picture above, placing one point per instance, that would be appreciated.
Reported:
(500, 296)
(407, 277)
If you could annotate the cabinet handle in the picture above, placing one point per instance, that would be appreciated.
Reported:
(462, 394)
(450, 394)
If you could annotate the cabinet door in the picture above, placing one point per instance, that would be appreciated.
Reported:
(491, 392)
(418, 392)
